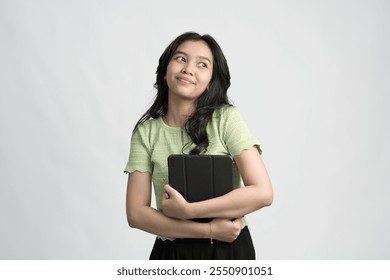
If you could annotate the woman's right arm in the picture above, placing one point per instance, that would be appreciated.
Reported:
(141, 215)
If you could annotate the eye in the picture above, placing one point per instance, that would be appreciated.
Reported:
(180, 58)
(203, 65)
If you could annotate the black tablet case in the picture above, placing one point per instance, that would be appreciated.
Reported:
(200, 177)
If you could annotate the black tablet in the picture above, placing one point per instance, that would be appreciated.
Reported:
(200, 177)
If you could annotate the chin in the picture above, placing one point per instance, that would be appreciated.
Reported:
(187, 95)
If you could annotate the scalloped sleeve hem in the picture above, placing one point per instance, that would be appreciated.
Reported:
(130, 169)
(246, 146)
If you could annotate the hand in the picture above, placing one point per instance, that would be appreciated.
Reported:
(174, 205)
(226, 230)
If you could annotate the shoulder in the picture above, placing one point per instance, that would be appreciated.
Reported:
(149, 124)
(226, 111)
(226, 120)
(148, 127)
(227, 114)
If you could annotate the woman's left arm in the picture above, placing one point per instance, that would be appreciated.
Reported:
(256, 194)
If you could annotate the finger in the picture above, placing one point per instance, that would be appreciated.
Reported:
(169, 190)
(237, 222)
(167, 187)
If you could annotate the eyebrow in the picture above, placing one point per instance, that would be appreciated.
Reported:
(203, 57)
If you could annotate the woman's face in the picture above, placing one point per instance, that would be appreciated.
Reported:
(190, 70)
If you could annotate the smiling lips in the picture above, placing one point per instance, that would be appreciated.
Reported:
(185, 80)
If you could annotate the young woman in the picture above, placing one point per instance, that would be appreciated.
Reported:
(191, 114)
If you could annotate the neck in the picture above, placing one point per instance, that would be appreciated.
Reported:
(178, 112)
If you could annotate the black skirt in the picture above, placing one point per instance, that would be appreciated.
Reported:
(202, 249)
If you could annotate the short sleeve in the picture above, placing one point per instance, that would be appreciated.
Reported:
(139, 157)
(237, 135)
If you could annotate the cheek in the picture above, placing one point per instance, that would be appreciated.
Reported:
(169, 74)
(169, 70)
(206, 79)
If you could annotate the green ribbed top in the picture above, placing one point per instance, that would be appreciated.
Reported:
(153, 141)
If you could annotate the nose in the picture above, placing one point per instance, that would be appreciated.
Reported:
(187, 70)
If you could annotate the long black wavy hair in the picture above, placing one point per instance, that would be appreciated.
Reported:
(212, 98)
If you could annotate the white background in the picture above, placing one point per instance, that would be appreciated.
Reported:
(310, 77)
